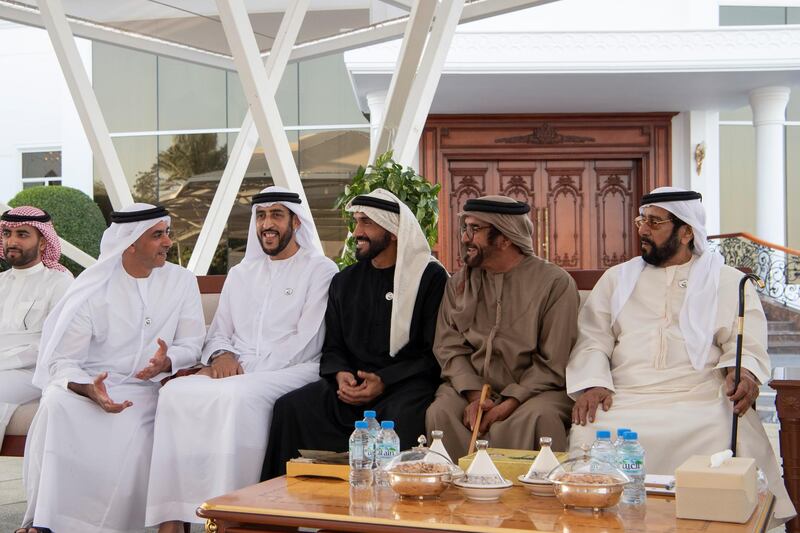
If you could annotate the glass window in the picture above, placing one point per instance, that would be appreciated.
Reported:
(743, 113)
(328, 160)
(285, 96)
(793, 15)
(751, 15)
(793, 107)
(45, 164)
(793, 186)
(737, 187)
(125, 84)
(190, 96)
(326, 94)
(40, 168)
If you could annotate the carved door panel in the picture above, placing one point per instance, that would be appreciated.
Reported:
(466, 179)
(563, 214)
(616, 192)
(582, 210)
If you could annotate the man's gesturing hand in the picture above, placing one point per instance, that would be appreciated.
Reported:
(159, 363)
(96, 391)
(746, 393)
(586, 407)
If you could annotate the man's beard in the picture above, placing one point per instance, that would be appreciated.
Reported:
(374, 247)
(482, 253)
(660, 254)
(283, 241)
(24, 258)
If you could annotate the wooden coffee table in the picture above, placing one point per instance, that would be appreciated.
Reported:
(283, 504)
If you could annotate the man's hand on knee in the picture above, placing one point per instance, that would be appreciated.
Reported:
(471, 410)
(585, 408)
(499, 412)
(225, 365)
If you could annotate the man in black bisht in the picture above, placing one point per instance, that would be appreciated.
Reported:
(380, 321)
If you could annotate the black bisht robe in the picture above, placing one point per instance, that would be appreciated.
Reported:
(357, 322)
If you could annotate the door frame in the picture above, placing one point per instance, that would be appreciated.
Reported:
(645, 137)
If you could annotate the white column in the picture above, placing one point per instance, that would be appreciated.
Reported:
(376, 102)
(769, 112)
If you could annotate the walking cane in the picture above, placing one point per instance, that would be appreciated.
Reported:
(484, 393)
(738, 371)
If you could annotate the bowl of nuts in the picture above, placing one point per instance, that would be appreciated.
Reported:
(420, 474)
(588, 483)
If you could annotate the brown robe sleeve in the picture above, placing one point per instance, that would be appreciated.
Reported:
(451, 348)
(558, 329)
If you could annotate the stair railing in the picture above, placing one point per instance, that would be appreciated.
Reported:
(777, 265)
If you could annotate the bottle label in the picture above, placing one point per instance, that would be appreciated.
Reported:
(386, 451)
(632, 465)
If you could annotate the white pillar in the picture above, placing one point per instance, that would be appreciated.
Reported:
(376, 102)
(769, 112)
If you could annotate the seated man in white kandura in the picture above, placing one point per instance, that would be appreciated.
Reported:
(125, 323)
(656, 346)
(265, 341)
(30, 289)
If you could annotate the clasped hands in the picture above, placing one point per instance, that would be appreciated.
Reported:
(354, 393)
(97, 392)
(492, 412)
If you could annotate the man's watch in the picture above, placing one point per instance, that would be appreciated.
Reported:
(221, 352)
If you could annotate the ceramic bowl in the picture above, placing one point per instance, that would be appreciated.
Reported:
(483, 493)
(537, 487)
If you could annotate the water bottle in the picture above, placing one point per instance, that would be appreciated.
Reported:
(360, 461)
(620, 437)
(631, 461)
(387, 446)
(373, 427)
(603, 449)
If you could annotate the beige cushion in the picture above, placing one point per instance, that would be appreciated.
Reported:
(22, 418)
(210, 302)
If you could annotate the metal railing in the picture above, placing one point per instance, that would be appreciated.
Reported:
(777, 265)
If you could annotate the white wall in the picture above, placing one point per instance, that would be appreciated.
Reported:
(36, 110)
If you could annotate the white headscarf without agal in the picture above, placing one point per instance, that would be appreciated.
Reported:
(696, 322)
(116, 239)
(413, 256)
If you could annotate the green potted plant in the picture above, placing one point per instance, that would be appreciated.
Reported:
(421, 196)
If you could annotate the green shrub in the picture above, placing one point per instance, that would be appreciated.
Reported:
(415, 191)
(76, 217)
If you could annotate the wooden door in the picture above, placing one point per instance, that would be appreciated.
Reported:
(582, 210)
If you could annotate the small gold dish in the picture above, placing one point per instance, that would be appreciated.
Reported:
(420, 485)
(588, 490)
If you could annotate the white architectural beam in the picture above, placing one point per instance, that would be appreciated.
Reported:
(392, 29)
(411, 51)
(357, 38)
(244, 146)
(425, 82)
(67, 249)
(83, 96)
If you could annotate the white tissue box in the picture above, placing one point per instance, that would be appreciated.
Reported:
(724, 494)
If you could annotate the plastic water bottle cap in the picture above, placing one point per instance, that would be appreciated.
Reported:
(602, 434)
(631, 435)
(621, 431)
(387, 424)
(369, 414)
(361, 424)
